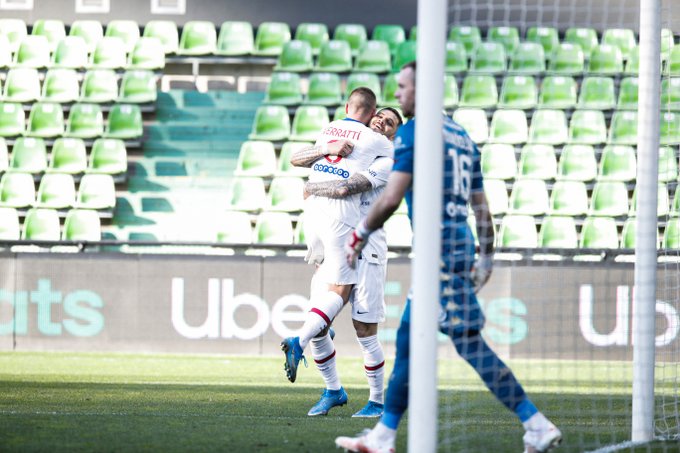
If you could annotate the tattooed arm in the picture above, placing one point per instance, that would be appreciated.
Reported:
(339, 189)
(305, 157)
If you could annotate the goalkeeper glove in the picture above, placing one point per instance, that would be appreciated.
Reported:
(356, 243)
(481, 271)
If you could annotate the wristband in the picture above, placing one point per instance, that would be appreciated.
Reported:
(363, 230)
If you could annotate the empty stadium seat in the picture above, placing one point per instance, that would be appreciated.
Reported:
(126, 30)
(284, 167)
(236, 38)
(56, 191)
(270, 38)
(308, 122)
(374, 57)
(547, 37)
(166, 32)
(406, 53)
(670, 128)
(558, 92)
(628, 94)
(389, 89)
(52, 29)
(548, 127)
(271, 123)
(392, 34)
(623, 128)
(474, 122)
(99, 86)
(108, 156)
(605, 59)
(617, 163)
(498, 161)
(90, 30)
(518, 92)
(568, 59)
(529, 197)
(569, 198)
(508, 126)
(85, 121)
(662, 201)
(5, 53)
(148, 53)
(256, 158)
(33, 52)
(82, 225)
(479, 90)
(68, 156)
(610, 199)
(353, 34)
(628, 233)
(14, 30)
(456, 58)
(246, 194)
(10, 229)
(528, 59)
(45, 120)
(283, 89)
(285, 194)
(633, 63)
(138, 86)
(60, 86)
(295, 56)
(599, 233)
(11, 119)
(324, 89)
(668, 164)
(273, 228)
(109, 54)
(496, 195)
(334, 56)
(671, 234)
(518, 231)
(124, 122)
(673, 64)
(489, 58)
(22, 85)
(577, 163)
(584, 37)
(96, 191)
(363, 79)
(597, 93)
(675, 204)
(537, 162)
(4, 155)
(17, 190)
(451, 96)
(558, 232)
(507, 36)
(670, 93)
(233, 227)
(623, 38)
(41, 225)
(198, 38)
(469, 36)
(587, 127)
(314, 33)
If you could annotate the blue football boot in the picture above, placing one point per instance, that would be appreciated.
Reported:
(370, 410)
(291, 348)
(329, 399)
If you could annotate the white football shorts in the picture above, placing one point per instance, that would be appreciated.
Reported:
(334, 234)
(368, 296)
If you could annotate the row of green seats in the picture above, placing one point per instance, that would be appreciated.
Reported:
(64, 86)
(576, 162)
(68, 155)
(42, 224)
(58, 191)
(567, 197)
(46, 120)
(519, 231)
(249, 193)
(258, 158)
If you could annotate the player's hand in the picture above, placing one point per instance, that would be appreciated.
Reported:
(353, 247)
(481, 271)
(341, 147)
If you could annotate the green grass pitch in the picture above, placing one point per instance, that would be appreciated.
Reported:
(136, 402)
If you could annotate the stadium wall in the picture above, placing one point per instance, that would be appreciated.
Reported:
(245, 305)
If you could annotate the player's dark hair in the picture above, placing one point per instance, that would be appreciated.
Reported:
(363, 99)
(396, 113)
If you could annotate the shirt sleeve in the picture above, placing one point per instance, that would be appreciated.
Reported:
(378, 172)
(403, 150)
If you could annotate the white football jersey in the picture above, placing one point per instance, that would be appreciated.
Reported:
(368, 146)
(377, 173)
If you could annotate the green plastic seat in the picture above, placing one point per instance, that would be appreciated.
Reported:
(5, 53)
(124, 122)
(285, 194)
(15, 30)
(68, 156)
(577, 163)
(605, 59)
(33, 52)
(284, 167)
(41, 225)
(198, 37)
(609, 199)
(29, 155)
(299, 232)
(166, 32)
(256, 158)
(498, 161)
(662, 201)
(617, 163)
(246, 194)
(518, 92)
(628, 94)
(296, 56)
(599, 233)
(11, 119)
(671, 234)
(22, 85)
(670, 93)
(496, 195)
(529, 197)
(548, 127)
(138, 86)
(597, 93)
(284, 89)
(537, 162)
(547, 37)
(90, 30)
(236, 39)
(398, 231)
(389, 89)
(270, 39)
(518, 231)
(56, 191)
(96, 191)
(126, 30)
(623, 128)
(85, 121)
(667, 43)
(587, 127)
(308, 122)
(271, 123)
(670, 128)
(273, 227)
(45, 120)
(558, 92)
(675, 205)
(233, 227)
(4, 155)
(569, 198)
(109, 54)
(99, 86)
(558, 232)
(108, 156)
(469, 36)
(479, 90)
(354, 35)
(528, 59)
(568, 59)
(668, 164)
(585, 37)
(633, 63)
(456, 58)
(406, 53)
(314, 33)
(375, 57)
(413, 33)
(623, 38)
(508, 126)
(507, 36)
(474, 121)
(363, 79)
(52, 29)
(334, 56)
(148, 54)
(17, 190)
(82, 225)
(70, 53)
(451, 95)
(392, 34)
(60, 86)
(673, 65)
(10, 229)
(489, 58)
(324, 89)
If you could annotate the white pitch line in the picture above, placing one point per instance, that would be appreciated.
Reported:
(617, 447)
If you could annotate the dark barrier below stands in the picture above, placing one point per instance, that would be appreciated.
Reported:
(242, 304)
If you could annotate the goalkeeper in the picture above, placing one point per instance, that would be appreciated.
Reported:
(460, 317)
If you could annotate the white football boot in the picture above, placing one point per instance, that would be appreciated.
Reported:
(543, 439)
(365, 443)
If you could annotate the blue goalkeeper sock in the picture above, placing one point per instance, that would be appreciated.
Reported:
(525, 410)
(390, 420)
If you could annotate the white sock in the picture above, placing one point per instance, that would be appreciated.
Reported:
(536, 422)
(321, 315)
(323, 351)
(374, 365)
